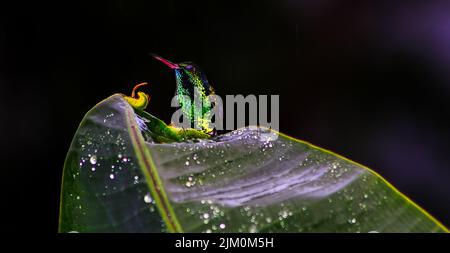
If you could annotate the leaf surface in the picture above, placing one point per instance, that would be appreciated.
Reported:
(118, 179)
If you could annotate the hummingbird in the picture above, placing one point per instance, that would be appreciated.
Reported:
(191, 84)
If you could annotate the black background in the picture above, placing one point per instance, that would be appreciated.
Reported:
(368, 80)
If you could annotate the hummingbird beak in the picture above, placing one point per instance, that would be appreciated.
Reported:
(166, 62)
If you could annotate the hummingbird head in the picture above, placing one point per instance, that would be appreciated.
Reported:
(189, 76)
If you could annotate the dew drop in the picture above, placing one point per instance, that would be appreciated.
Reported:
(93, 168)
(352, 221)
(93, 159)
(283, 214)
(111, 176)
(147, 198)
(222, 226)
(205, 216)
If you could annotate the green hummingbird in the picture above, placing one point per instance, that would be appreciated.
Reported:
(193, 91)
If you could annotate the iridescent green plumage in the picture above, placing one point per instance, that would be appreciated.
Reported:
(193, 90)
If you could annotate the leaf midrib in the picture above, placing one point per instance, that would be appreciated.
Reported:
(151, 174)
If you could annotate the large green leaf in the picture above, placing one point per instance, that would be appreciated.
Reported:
(117, 179)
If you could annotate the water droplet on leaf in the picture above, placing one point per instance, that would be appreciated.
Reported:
(147, 198)
(93, 159)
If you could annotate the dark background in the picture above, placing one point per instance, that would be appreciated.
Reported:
(368, 80)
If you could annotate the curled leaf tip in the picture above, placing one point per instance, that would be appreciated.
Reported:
(137, 86)
(138, 100)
